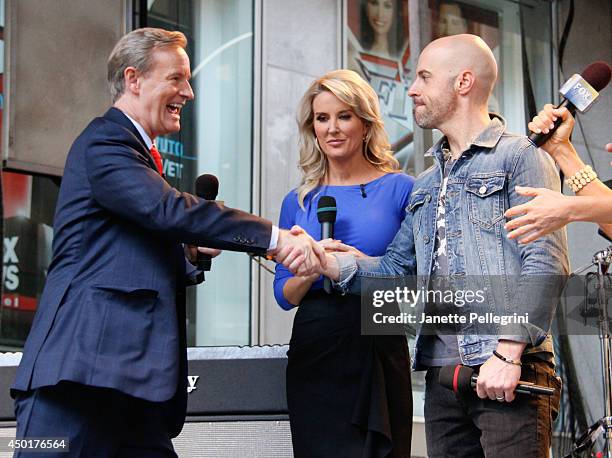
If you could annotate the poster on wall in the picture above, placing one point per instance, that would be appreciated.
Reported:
(378, 48)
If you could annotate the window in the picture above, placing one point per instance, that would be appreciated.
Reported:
(215, 137)
(29, 203)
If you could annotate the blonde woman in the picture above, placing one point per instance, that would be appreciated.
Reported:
(348, 394)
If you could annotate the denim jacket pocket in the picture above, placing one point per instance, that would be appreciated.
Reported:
(416, 206)
(485, 198)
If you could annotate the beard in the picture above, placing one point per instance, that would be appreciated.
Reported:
(438, 110)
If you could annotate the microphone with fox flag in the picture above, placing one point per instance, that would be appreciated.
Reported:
(579, 93)
(326, 214)
(462, 379)
(207, 188)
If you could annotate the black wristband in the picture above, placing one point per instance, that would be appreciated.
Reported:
(507, 360)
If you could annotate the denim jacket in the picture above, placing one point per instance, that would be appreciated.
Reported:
(480, 189)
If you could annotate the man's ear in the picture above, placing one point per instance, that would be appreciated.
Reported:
(131, 78)
(464, 82)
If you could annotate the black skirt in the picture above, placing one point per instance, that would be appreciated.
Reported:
(348, 395)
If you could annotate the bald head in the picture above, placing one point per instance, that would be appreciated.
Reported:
(465, 52)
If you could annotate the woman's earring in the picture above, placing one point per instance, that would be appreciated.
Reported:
(365, 143)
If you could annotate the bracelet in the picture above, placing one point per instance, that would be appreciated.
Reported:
(581, 178)
(507, 360)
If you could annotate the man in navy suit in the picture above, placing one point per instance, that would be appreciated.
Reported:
(105, 362)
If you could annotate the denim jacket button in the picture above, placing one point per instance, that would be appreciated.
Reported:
(426, 238)
(482, 189)
(428, 198)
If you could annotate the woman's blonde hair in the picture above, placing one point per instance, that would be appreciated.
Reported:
(351, 89)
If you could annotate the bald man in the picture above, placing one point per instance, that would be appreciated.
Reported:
(454, 231)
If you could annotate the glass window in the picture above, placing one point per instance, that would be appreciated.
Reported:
(1, 68)
(29, 203)
(216, 138)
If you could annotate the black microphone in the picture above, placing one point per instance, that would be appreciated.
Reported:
(326, 214)
(579, 93)
(206, 187)
(604, 235)
(363, 193)
(462, 379)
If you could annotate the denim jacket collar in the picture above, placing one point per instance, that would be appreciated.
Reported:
(487, 139)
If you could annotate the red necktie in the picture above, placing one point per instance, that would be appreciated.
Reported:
(157, 159)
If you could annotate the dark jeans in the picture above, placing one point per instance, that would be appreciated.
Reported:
(463, 425)
(98, 422)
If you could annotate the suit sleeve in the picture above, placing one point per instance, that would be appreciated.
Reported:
(123, 183)
(282, 274)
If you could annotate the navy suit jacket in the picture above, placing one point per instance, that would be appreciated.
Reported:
(112, 313)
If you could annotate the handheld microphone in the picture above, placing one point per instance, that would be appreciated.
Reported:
(326, 214)
(207, 188)
(579, 93)
(604, 235)
(462, 379)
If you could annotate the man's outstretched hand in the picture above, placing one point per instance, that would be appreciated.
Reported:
(299, 252)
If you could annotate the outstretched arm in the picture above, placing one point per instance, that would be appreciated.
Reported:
(550, 210)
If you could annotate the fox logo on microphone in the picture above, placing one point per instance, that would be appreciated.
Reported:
(579, 92)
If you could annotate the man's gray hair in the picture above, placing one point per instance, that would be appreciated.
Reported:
(135, 49)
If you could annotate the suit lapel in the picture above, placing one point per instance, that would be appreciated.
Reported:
(115, 115)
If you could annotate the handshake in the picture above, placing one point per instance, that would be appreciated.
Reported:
(304, 256)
